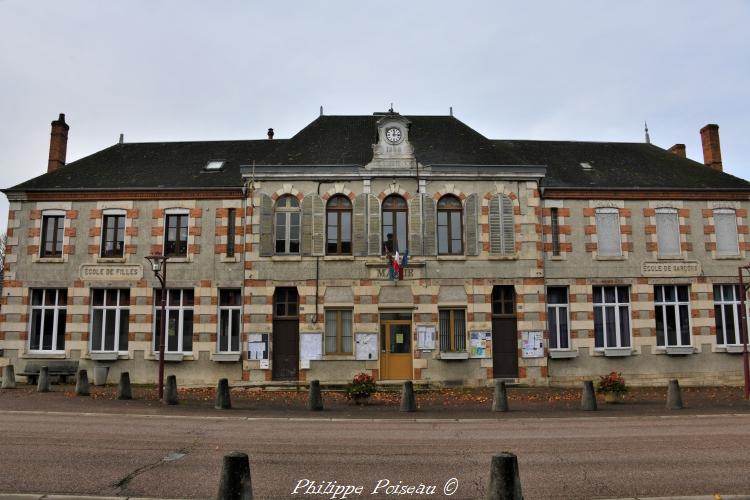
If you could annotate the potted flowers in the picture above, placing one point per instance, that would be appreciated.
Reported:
(612, 386)
(360, 388)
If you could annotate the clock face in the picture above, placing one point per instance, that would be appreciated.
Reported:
(393, 135)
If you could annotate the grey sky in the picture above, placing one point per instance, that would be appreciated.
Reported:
(190, 70)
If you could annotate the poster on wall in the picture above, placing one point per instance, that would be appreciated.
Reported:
(310, 347)
(533, 344)
(366, 346)
(257, 346)
(426, 337)
(480, 344)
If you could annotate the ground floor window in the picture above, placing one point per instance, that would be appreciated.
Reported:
(557, 317)
(47, 327)
(672, 315)
(611, 316)
(230, 309)
(452, 330)
(338, 337)
(179, 320)
(110, 313)
(727, 314)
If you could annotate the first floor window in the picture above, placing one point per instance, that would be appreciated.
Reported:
(557, 317)
(668, 232)
(113, 235)
(339, 331)
(555, 226)
(452, 330)
(672, 315)
(179, 320)
(608, 232)
(725, 222)
(231, 229)
(611, 316)
(230, 309)
(52, 234)
(176, 235)
(47, 330)
(727, 313)
(109, 320)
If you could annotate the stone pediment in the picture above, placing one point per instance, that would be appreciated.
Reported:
(393, 151)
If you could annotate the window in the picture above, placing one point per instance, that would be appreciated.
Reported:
(449, 226)
(608, 232)
(557, 317)
(668, 232)
(725, 223)
(339, 226)
(727, 313)
(452, 330)
(287, 225)
(672, 315)
(179, 326)
(555, 222)
(231, 229)
(286, 303)
(230, 309)
(52, 235)
(339, 331)
(176, 236)
(47, 329)
(395, 228)
(611, 317)
(109, 320)
(113, 235)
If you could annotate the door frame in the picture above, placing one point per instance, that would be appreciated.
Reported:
(288, 320)
(496, 334)
(384, 354)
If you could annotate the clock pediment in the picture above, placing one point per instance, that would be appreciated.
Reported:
(393, 149)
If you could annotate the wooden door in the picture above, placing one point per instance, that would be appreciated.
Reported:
(285, 348)
(395, 350)
(504, 333)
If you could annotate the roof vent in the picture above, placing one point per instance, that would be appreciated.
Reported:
(214, 165)
(270, 133)
(586, 166)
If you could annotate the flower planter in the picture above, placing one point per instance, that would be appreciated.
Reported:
(614, 397)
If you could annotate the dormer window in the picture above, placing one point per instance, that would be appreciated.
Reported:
(214, 165)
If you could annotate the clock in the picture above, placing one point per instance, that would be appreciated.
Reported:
(393, 135)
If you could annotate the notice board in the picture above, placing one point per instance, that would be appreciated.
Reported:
(310, 347)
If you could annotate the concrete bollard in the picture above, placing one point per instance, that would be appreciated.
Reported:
(588, 397)
(100, 375)
(500, 399)
(82, 383)
(9, 377)
(223, 402)
(170, 391)
(674, 395)
(408, 403)
(505, 483)
(314, 398)
(123, 388)
(235, 483)
(42, 384)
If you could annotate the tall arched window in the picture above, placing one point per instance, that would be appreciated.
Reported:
(287, 225)
(339, 226)
(450, 225)
(395, 225)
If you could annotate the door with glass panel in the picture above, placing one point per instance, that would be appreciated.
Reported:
(285, 339)
(395, 346)
(504, 333)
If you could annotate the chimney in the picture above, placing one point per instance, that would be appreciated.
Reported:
(711, 147)
(270, 133)
(58, 144)
(678, 149)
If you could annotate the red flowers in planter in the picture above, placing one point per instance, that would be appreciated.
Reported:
(612, 383)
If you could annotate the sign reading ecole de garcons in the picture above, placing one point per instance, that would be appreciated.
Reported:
(104, 272)
(677, 268)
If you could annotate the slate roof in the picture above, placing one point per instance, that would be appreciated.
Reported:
(347, 140)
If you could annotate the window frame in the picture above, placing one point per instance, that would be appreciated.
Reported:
(618, 304)
(726, 211)
(118, 309)
(339, 212)
(453, 335)
(234, 330)
(559, 310)
(169, 310)
(599, 215)
(663, 211)
(288, 212)
(555, 231)
(170, 213)
(449, 225)
(57, 309)
(395, 211)
(339, 333)
(58, 236)
(676, 304)
(231, 230)
(722, 303)
(116, 214)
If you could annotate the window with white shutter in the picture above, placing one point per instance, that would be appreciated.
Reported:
(668, 232)
(608, 232)
(725, 222)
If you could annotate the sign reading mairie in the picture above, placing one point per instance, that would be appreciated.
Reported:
(676, 268)
(106, 272)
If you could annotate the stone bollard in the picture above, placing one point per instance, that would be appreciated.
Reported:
(100, 375)
(588, 398)
(9, 377)
(123, 388)
(505, 484)
(674, 396)
(408, 403)
(170, 391)
(222, 395)
(235, 483)
(500, 399)
(43, 383)
(82, 383)
(314, 398)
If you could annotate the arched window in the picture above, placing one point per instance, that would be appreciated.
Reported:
(339, 226)
(450, 225)
(395, 225)
(287, 225)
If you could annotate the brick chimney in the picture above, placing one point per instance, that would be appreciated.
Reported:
(678, 149)
(58, 144)
(711, 147)
(270, 133)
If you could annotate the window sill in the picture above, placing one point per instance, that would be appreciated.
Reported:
(556, 257)
(287, 258)
(610, 257)
(728, 257)
(172, 357)
(111, 260)
(180, 260)
(670, 257)
(104, 356)
(336, 357)
(509, 257)
(226, 357)
(224, 258)
(44, 355)
(618, 352)
(678, 350)
(454, 356)
(50, 260)
(733, 349)
(338, 257)
(563, 353)
(451, 257)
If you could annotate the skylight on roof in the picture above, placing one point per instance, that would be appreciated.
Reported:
(586, 165)
(214, 165)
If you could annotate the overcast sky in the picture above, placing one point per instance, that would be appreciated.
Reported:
(191, 70)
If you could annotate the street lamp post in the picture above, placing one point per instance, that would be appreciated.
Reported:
(159, 267)
(743, 328)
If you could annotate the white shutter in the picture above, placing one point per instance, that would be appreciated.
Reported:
(608, 232)
(360, 224)
(415, 225)
(307, 225)
(318, 225)
(430, 227)
(668, 231)
(496, 227)
(471, 215)
(373, 224)
(508, 228)
(266, 226)
(725, 223)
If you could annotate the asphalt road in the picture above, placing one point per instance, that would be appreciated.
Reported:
(180, 457)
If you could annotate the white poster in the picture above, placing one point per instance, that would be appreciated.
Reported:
(426, 337)
(310, 347)
(533, 344)
(366, 346)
